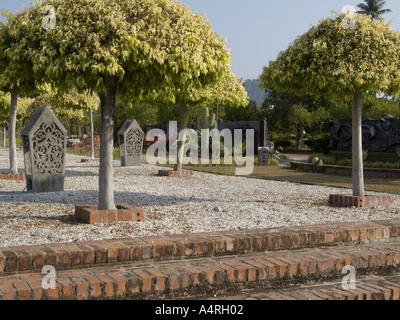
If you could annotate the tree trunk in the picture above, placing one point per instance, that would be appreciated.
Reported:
(181, 144)
(298, 137)
(358, 167)
(91, 134)
(4, 135)
(79, 124)
(106, 171)
(11, 131)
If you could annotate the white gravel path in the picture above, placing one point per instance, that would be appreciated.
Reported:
(171, 205)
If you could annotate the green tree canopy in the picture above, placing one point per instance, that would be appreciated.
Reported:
(16, 74)
(336, 61)
(330, 60)
(131, 48)
(299, 117)
(70, 104)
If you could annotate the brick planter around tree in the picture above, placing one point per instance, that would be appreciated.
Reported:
(338, 200)
(89, 214)
(90, 160)
(10, 176)
(172, 173)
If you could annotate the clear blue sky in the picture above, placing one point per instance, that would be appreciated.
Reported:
(257, 30)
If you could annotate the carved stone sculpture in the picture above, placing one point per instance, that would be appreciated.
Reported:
(379, 135)
(44, 141)
(131, 138)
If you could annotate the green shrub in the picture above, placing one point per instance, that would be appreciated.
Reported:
(273, 162)
(285, 143)
(372, 160)
(320, 144)
(345, 163)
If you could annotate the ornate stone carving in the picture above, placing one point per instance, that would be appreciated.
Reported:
(134, 142)
(44, 142)
(263, 156)
(48, 153)
(131, 137)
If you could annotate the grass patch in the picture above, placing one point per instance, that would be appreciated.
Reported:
(381, 161)
(290, 175)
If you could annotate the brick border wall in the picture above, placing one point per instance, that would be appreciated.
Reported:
(177, 247)
(339, 200)
(9, 176)
(172, 173)
(90, 215)
(207, 276)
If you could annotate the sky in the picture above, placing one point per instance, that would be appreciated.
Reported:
(257, 30)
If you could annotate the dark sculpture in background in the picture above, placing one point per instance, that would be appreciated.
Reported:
(379, 135)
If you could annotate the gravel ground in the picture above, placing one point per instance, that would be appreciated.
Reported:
(170, 205)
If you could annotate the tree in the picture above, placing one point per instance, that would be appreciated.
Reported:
(126, 48)
(318, 119)
(334, 61)
(300, 118)
(382, 107)
(373, 8)
(239, 113)
(16, 75)
(22, 113)
(4, 112)
(227, 91)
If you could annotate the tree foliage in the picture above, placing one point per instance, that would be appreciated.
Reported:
(70, 104)
(336, 61)
(330, 60)
(134, 49)
(373, 8)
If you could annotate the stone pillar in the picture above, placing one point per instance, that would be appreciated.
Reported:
(130, 138)
(44, 142)
(263, 156)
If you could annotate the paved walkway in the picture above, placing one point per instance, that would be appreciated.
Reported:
(285, 263)
(294, 157)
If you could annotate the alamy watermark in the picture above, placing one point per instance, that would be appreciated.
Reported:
(49, 281)
(50, 20)
(233, 147)
(349, 22)
(349, 280)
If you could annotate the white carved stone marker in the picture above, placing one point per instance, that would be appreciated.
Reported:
(44, 142)
(131, 137)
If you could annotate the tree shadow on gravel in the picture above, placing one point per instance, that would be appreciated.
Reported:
(65, 219)
(85, 197)
(75, 173)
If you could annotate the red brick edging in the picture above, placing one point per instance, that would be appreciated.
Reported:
(90, 215)
(189, 246)
(90, 160)
(243, 259)
(172, 173)
(10, 176)
(359, 202)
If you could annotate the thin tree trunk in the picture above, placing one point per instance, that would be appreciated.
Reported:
(106, 171)
(358, 166)
(91, 134)
(79, 123)
(11, 131)
(181, 144)
(4, 135)
(298, 138)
